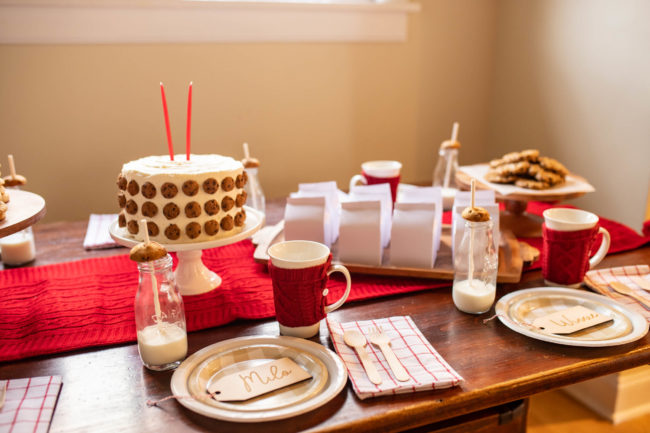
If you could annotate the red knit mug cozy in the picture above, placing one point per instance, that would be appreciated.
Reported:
(565, 254)
(298, 294)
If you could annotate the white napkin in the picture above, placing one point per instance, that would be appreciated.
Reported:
(571, 185)
(427, 369)
(97, 236)
(29, 404)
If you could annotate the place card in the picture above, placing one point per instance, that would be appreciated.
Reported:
(262, 379)
(570, 320)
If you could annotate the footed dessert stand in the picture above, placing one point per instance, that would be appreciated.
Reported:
(192, 276)
(25, 209)
(514, 217)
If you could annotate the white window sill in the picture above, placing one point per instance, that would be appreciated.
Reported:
(182, 21)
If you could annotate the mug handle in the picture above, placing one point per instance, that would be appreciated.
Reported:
(342, 269)
(356, 179)
(602, 251)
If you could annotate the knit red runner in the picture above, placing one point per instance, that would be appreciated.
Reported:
(67, 306)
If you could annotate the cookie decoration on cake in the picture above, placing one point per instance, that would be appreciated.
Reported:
(172, 232)
(192, 210)
(527, 169)
(149, 209)
(190, 187)
(148, 190)
(227, 223)
(171, 211)
(210, 185)
(169, 190)
(211, 227)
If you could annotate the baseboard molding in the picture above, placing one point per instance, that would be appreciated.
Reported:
(617, 397)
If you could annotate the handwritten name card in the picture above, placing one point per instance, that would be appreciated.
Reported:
(256, 381)
(570, 320)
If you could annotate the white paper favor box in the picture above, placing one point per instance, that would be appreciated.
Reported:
(333, 208)
(425, 194)
(304, 219)
(382, 193)
(413, 236)
(360, 233)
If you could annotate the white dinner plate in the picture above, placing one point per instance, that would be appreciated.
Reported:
(194, 375)
(519, 309)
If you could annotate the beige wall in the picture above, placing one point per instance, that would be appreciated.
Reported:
(572, 78)
(72, 115)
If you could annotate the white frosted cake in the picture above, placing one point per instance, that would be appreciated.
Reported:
(183, 201)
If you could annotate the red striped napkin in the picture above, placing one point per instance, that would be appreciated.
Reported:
(427, 369)
(29, 404)
(599, 279)
(97, 236)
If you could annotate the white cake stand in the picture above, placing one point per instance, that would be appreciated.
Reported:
(192, 276)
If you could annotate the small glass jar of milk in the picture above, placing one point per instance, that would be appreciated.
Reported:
(159, 316)
(18, 249)
(475, 268)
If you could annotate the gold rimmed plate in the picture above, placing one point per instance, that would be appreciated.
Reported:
(192, 378)
(518, 310)
(243, 358)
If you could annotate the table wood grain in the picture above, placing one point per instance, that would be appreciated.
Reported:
(106, 388)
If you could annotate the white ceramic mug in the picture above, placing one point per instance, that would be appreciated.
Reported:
(571, 220)
(299, 254)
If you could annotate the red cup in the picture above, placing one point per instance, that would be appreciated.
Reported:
(299, 271)
(375, 172)
(568, 236)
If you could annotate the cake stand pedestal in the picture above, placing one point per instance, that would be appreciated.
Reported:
(192, 276)
(514, 217)
(25, 209)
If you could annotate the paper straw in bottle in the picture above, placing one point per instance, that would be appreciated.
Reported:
(470, 267)
(454, 137)
(154, 281)
(12, 166)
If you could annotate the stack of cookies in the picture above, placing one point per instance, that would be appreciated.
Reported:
(527, 169)
(4, 199)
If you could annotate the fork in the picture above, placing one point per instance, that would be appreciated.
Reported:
(627, 291)
(381, 340)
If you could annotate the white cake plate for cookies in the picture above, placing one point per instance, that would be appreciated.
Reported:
(192, 276)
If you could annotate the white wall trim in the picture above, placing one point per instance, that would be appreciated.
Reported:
(192, 21)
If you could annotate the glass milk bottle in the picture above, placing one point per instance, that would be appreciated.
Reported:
(475, 268)
(253, 188)
(444, 175)
(159, 316)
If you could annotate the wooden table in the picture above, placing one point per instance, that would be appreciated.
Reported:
(106, 389)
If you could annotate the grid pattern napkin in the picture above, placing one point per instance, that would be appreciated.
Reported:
(97, 236)
(599, 279)
(29, 404)
(427, 369)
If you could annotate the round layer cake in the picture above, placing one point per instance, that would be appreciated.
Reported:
(183, 201)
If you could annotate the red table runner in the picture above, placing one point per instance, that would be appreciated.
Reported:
(67, 306)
